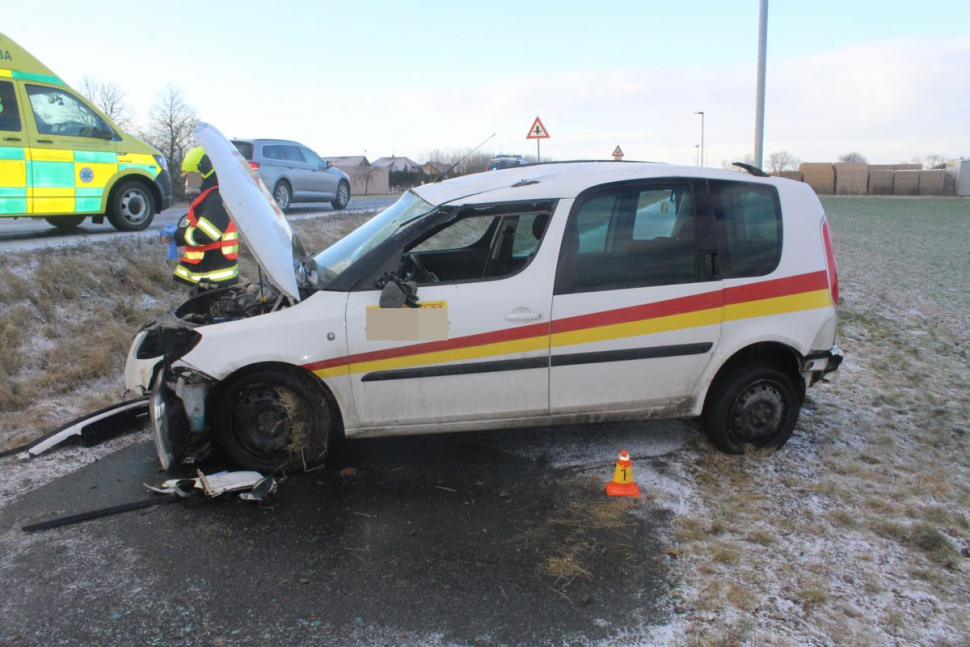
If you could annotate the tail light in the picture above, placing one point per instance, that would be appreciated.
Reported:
(255, 165)
(830, 263)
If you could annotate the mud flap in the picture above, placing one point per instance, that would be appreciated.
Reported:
(170, 425)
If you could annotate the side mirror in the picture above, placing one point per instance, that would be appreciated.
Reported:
(327, 164)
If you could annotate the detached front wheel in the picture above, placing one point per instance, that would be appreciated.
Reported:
(273, 419)
(756, 404)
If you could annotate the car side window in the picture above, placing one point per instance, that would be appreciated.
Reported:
(311, 157)
(292, 154)
(477, 247)
(60, 113)
(9, 114)
(629, 237)
(272, 153)
(748, 218)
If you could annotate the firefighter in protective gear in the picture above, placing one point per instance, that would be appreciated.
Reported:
(211, 241)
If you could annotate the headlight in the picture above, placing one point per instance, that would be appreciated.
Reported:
(173, 343)
(160, 159)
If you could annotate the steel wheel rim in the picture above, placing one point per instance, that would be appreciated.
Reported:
(261, 422)
(134, 206)
(758, 413)
(282, 196)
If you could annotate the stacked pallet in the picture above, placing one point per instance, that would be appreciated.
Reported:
(851, 178)
(949, 184)
(882, 167)
(931, 182)
(906, 182)
(881, 181)
(907, 167)
(790, 175)
(819, 176)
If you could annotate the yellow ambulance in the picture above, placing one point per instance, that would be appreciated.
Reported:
(63, 160)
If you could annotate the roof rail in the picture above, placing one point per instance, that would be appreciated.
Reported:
(753, 170)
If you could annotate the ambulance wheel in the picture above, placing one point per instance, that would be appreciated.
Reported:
(283, 195)
(67, 223)
(132, 207)
(343, 196)
(754, 404)
(273, 418)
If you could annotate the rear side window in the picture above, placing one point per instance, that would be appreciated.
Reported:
(272, 153)
(9, 114)
(749, 224)
(629, 237)
(245, 149)
(292, 154)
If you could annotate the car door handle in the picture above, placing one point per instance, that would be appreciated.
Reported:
(11, 139)
(523, 315)
(45, 141)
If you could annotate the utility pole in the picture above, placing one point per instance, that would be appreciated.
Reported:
(759, 119)
(701, 113)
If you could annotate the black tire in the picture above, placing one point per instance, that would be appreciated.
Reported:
(273, 418)
(754, 404)
(343, 196)
(283, 194)
(67, 223)
(132, 206)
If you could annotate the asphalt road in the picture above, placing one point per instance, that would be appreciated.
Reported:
(20, 234)
(499, 538)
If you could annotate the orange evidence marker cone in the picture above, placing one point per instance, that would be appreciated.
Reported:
(622, 483)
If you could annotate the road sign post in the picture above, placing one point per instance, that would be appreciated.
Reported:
(537, 132)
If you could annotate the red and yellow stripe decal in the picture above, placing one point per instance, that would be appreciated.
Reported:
(777, 296)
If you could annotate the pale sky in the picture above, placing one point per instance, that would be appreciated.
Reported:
(886, 78)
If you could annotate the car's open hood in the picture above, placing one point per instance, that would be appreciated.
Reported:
(259, 220)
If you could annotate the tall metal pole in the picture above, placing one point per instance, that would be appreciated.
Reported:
(759, 119)
(701, 113)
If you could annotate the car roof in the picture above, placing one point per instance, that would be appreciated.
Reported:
(563, 180)
(264, 141)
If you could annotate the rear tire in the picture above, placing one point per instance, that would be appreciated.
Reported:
(132, 206)
(343, 196)
(67, 223)
(273, 418)
(283, 195)
(754, 404)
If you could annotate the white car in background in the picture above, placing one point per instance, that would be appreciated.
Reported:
(542, 295)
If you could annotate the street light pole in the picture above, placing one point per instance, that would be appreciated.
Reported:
(701, 113)
(759, 117)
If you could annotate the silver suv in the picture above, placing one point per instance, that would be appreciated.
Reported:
(294, 173)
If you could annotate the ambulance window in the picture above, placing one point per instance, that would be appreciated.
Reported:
(629, 237)
(57, 112)
(9, 115)
(748, 218)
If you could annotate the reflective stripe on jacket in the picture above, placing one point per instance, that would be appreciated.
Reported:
(209, 229)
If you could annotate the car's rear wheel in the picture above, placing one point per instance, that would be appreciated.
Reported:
(132, 207)
(283, 195)
(67, 223)
(754, 404)
(273, 418)
(343, 196)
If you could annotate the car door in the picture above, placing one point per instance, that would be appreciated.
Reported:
(73, 152)
(299, 171)
(13, 152)
(637, 303)
(323, 184)
(488, 271)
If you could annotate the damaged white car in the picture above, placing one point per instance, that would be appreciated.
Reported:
(537, 295)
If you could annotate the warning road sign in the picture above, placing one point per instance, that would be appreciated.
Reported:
(617, 152)
(538, 131)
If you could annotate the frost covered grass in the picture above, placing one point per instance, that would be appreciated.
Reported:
(856, 532)
(68, 314)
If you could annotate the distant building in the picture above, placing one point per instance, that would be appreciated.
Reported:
(394, 164)
(365, 178)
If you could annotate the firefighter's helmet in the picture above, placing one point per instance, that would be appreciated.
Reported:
(196, 161)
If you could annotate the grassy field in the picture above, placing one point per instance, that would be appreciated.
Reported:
(856, 533)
